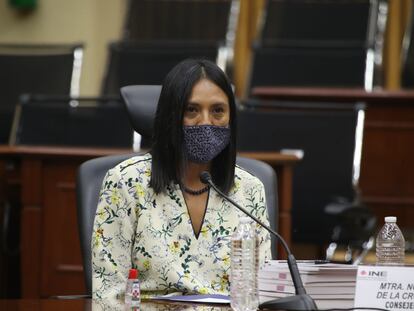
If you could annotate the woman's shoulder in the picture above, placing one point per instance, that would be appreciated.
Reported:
(141, 162)
(246, 178)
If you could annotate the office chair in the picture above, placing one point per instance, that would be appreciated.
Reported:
(141, 103)
(23, 69)
(71, 121)
(92, 172)
(148, 62)
(178, 20)
(313, 43)
(88, 184)
(325, 182)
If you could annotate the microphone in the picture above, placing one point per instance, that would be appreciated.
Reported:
(301, 301)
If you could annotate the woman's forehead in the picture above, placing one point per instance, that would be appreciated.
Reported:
(207, 89)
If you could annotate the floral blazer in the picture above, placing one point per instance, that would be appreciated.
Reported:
(134, 227)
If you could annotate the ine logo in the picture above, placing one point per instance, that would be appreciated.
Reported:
(373, 274)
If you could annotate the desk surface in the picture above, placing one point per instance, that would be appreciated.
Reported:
(88, 304)
(333, 94)
(269, 157)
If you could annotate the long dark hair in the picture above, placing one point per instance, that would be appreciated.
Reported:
(168, 153)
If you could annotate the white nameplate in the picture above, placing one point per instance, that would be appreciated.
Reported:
(386, 287)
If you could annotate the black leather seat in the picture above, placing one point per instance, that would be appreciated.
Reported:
(89, 182)
(324, 43)
(325, 181)
(148, 62)
(71, 121)
(22, 71)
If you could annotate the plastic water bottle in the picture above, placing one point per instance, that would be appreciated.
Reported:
(132, 291)
(244, 267)
(390, 248)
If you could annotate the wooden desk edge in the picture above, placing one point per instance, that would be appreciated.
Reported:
(61, 151)
(270, 157)
(333, 94)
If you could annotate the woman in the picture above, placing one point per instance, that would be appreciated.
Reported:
(154, 213)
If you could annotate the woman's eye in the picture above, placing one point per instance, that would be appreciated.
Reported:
(190, 109)
(218, 110)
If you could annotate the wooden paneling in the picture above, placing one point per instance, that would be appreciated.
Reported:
(10, 239)
(387, 171)
(62, 271)
(30, 251)
(43, 178)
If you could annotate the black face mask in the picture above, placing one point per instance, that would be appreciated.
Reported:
(204, 142)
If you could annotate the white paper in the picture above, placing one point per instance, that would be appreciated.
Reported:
(386, 287)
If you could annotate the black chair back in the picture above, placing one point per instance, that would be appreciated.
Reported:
(141, 102)
(149, 62)
(182, 20)
(69, 121)
(326, 134)
(88, 185)
(22, 71)
(325, 43)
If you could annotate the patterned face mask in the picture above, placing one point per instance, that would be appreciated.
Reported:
(204, 142)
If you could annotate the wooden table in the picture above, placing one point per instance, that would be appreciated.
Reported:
(387, 167)
(44, 178)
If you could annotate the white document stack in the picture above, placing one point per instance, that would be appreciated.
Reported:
(330, 285)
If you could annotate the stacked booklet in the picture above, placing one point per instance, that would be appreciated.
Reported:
(330, 285)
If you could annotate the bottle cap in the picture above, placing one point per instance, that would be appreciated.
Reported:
(390, 219)
(133, 274)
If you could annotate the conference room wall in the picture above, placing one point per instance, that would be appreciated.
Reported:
(93, 22)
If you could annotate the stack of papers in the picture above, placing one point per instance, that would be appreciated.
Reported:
(330, 285)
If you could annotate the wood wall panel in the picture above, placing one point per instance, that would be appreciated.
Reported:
(9, 255)
(62, 272)
(387, 171)
(30, 255)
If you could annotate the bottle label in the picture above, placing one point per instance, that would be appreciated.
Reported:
(136, 294)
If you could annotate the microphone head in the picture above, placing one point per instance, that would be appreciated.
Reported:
(205, 177)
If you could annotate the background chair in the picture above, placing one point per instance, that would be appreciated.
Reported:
(88, 185)
(178, 20)
(141, 103)
(71, 121)
(149, 62)
(320, 43)
(325, 182)
(23, 71)
(158, 34)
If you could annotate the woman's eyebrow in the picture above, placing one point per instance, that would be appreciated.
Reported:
(192, 103)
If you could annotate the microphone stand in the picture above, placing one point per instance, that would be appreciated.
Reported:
(301, 301)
